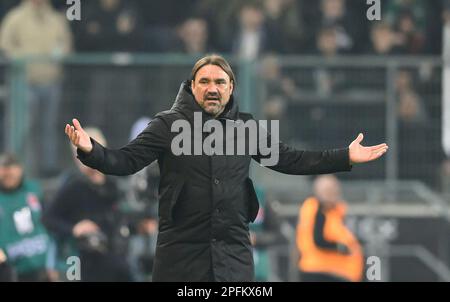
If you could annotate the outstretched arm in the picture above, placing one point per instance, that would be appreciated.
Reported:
(137, 154)
(300, 162)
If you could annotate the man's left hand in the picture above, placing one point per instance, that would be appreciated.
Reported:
(360, 154)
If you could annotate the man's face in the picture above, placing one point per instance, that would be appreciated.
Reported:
(10, 176)
(212, 89)
(328, 190)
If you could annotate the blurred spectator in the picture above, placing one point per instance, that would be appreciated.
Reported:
(264, 233)
(85, 213)
(384, 40)
(275, 108)
(415, 159)
(279, 91)
(24, 243)
(409, 21)
(285, 16)
(336, 14)
(193, 36)
(404, 82)
(35, 28)
(411, 109)
(254, 37)
(326, 42)
(110, 26)
(142, 197)
(394, 9)
(222, 18)
(328, 80)
(329, 252)
(414, 153)
(275, 82)
(408, 34)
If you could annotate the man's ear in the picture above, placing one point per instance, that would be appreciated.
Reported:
(232, 87)
(192, 84)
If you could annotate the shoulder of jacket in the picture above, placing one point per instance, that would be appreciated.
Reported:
(169, 116)
(245, 116)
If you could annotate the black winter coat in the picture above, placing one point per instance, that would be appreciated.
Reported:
(205, 201)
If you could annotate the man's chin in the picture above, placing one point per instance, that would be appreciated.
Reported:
(213, 110)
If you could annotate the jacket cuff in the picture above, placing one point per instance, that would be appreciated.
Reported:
(342, 159)
(92, 158)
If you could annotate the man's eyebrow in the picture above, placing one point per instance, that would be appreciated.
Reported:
(215, 80)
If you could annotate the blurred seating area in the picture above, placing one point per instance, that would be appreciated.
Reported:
(408, 27)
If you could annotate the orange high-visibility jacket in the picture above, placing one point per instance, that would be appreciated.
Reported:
(316, 259)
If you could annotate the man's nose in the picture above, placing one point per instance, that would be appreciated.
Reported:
(212, 87)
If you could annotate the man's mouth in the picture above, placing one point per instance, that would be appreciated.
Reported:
(212, 100)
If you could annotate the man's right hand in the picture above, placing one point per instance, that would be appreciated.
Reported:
(78, 136)
(84, 227)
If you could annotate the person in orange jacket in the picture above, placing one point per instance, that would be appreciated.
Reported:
(329, 251)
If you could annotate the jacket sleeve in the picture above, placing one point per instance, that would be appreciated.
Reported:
(299, 162)
(142, 151)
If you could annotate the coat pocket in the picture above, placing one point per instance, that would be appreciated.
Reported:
(253, 204)
(168, 198)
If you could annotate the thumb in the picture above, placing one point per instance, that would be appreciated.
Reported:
(360, 138)
(77, 124)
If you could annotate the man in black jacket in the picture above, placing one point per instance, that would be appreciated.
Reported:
(207, 201)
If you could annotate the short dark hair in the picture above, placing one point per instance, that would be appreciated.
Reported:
(9, 159)
(213, 59)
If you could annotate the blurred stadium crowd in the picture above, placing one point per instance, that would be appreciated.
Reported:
(252, 28)
(326, 103)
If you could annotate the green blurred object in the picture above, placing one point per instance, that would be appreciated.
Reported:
(23, 238)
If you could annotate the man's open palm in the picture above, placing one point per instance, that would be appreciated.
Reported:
(78, 136)
(360, 154)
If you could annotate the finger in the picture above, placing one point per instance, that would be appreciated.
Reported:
(67, 130)
(359, 138)
(77, 138)
(72, 134)
(77, 124)
(380, 149)
(379, 154)
(378, 146)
